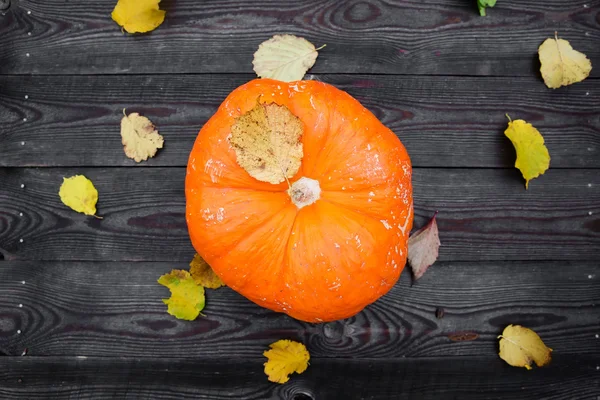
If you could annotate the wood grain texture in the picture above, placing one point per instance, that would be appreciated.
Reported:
(61, 378)
(115, 309)
(484, 214)
(362, 36)
(443, 121)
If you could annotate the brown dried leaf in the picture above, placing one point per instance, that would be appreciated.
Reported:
(423, 246)
(267, 142)
(139, 137)
(463, 336)
(203, 274)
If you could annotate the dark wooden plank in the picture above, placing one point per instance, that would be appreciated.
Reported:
(115, 309)
(443, 121)
(425, 379)
(485, 214)
(391, 37)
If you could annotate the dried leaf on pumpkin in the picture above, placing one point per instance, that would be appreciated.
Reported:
(561, 64)
(79, 193)
(203, 274)
(285, 58)
(139, 136)
(138, 16)
(520, 347)
(423, 247)
(267, 142)
(284, 358)
(187, 298)
(533, 158)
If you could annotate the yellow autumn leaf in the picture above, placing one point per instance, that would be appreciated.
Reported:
(139, 136)
(533, 158)
(138, 16)
(285, 58)
(284, 358)
(187, 298)
(520, 346)
(561, 64)
(79, 193)
(203, 274)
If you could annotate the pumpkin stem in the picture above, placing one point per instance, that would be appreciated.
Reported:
(304, 192)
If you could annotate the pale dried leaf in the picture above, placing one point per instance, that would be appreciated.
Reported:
(520, 346)
(139, 136)
(285, 58)
(561, 64)
(423, 246)
(267, 142)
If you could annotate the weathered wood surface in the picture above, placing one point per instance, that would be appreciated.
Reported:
(443, 121)
(115, 309)
(485, 214)
(32, 378)
(444, 37)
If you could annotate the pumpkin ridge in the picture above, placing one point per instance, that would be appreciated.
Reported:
(249, 237)
(346, 208)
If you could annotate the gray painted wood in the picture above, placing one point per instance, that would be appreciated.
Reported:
(443, 121)
(484, 214)
(114, 309)
(469, 378)
(444, 37)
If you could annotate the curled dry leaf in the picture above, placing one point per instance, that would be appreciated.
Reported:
(187, 298)
(533, 158)
(561, 64)
(267, 142)
(284, 358)
(285, 58)
(423, 246)
(139, 136)
(463, 336)
(520, 347)
(79, 193)
(203, 274)
(138, 15)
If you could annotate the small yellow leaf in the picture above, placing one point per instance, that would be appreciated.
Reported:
(187, 298)
(203, 274)
(561, 65)
(139, 137)
(138, 15)
(79, 193)
(267, 142)
(285, 58)
(284, 358)
(520, 346)
(533, 158)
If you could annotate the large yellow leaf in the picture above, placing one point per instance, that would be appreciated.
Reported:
(267, 142)
(533, 158)
(285, 58)
(203, 274)
(79, 193)
(561, 65)
(187, 298)
(284, 358)
(520, 346)
(138, 15)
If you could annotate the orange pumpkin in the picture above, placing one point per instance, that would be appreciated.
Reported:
(320, 261)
